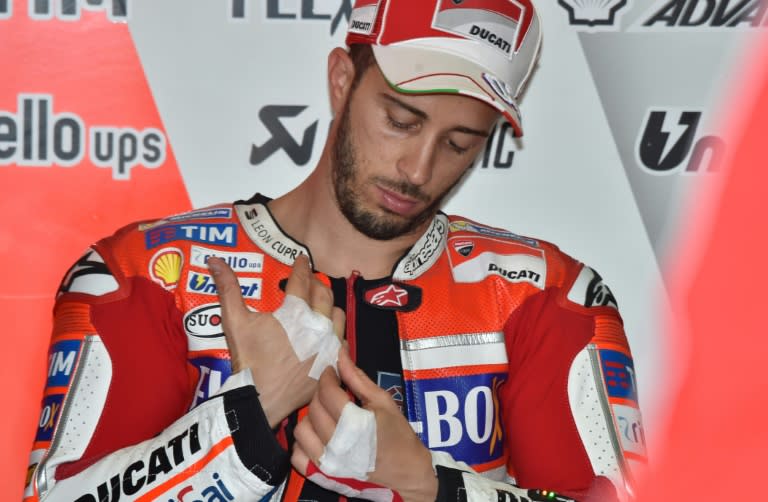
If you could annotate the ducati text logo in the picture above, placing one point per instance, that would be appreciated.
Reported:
(704, 15)
(668, 143)
(154, 467)
(294, 10)
(36, 136)
(281, 139)
(595, 15)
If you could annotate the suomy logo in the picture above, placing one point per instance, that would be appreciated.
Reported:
(295, 10)
(669, 137)
(300, 153)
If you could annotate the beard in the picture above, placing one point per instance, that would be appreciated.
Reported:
(384, 224)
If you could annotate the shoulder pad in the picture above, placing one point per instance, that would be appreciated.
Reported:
(89, 275)
(589, 290)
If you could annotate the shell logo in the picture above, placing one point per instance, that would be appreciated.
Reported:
(165, 267)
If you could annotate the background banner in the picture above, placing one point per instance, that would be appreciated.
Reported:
(117, 110)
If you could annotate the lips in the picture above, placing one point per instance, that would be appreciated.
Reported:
(396, 203)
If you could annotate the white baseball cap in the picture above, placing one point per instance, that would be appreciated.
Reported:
(485, 49)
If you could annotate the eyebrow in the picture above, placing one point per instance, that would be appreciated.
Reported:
(421, 114)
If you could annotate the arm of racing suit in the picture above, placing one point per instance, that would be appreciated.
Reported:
(570, 404)
(115, 425)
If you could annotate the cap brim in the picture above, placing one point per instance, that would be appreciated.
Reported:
(418, 70)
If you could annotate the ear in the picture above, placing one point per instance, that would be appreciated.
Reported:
(341, 73)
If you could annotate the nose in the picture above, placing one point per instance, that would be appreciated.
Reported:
(417, 163)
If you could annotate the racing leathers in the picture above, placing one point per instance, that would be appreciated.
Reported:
(507, 357)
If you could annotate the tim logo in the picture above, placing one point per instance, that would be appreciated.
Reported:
(593, 15)
(669, 143)
(299, 152)
(61, 362)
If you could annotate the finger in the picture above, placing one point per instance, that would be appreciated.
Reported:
(299, 280)
(320, 297)
(339, 319)
(228, 289)
(299, 459)
(330, 394)
(308, 441)
(356, 380)
(322, 422)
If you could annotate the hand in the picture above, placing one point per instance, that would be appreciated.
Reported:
(403, 463)
(258, 341)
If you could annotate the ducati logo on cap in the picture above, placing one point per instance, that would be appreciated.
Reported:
(501, 24)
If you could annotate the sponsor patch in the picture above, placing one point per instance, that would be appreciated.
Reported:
(394, 296)
(514, 268)
(61, 362)
(501, 24)
(425, 252)
(203, 284)
(393, 384)
(49, 417)
(207, 233)
(619, 374)
(214, 371)
(204, 321)
(154, 468)
(165, 267)
(461, 415)
(216, 489)
(199, 214)
(464, 247)
(363, 17)
(468, 226)
(34, 460)
(239, 262)
(630, 429)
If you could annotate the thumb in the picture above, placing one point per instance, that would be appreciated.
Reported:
(355, 379)
(228, 289)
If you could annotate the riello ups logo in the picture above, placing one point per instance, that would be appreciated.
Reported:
(37, 135)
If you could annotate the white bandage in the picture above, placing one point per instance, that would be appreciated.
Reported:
(310, 333)
(351, 452)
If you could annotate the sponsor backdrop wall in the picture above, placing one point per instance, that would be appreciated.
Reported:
(118, 110)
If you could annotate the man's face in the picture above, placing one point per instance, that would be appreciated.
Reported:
(397, 156)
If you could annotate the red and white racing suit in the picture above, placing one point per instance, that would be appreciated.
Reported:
(511, 358)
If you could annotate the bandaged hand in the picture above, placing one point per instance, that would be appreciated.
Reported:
(367, 451)
(285, 351)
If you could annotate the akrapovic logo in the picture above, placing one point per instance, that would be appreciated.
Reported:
(669, 142)
(312, 11)
(593, 15)
(34, 135)
(300, 152)
(703, 15)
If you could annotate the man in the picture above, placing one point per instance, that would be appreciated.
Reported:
(479, 365)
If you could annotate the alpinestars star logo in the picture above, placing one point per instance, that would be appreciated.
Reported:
(299, 153)
(593, 15)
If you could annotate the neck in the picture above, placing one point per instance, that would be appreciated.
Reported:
(310, 214)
